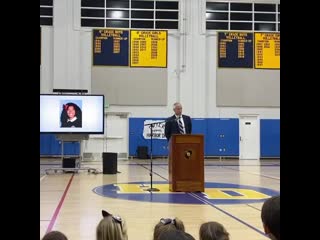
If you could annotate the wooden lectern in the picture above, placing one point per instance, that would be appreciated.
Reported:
(186, 163)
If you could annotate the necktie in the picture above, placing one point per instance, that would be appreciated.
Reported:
(180, 126)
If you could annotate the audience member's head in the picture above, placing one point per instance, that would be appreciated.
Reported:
(167, 224)
(270, 216)
(174, 234)
(189, 236)
(54, 235)
(111, 227)
(213, 231)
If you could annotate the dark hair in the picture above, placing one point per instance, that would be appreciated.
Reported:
(189, 236)
(54, 235)
(167, 224)
(64, 115)
(175, 234)
(270, 215)
(213, 231)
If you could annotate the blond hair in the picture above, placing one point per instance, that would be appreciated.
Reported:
(213, 231)
(175, 224)
(109, 229)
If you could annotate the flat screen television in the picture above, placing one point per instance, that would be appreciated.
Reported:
(63, 114)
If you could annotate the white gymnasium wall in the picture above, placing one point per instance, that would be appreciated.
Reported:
(192, 61)
(46, 68)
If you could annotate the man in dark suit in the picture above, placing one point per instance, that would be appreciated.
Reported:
(178, 123)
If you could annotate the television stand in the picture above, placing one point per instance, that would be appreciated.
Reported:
(77, 166)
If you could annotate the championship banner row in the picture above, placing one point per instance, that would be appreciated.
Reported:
(147, 48)
(243, 49)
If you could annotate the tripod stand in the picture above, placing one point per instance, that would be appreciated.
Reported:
(152, 189)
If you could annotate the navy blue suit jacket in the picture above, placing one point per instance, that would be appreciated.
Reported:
(172, 127)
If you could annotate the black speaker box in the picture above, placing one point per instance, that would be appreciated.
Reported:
(142, 152)
(110, 163)
(69, 163)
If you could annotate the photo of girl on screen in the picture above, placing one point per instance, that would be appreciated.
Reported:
(71, 115)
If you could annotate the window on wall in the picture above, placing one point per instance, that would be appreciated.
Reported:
(243, 16)
(142, 14)
(130, 14)
(46, 12)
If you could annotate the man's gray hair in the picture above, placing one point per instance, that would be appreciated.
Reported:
(176, 104)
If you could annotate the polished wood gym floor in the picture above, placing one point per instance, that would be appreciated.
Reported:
(68, 202)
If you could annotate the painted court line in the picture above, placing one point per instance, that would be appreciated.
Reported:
(56, 212)
(257, 174)
(225, 212)
(219, 209)
(141, 165)
(206, 164)
(253, 207)
(42, 177)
